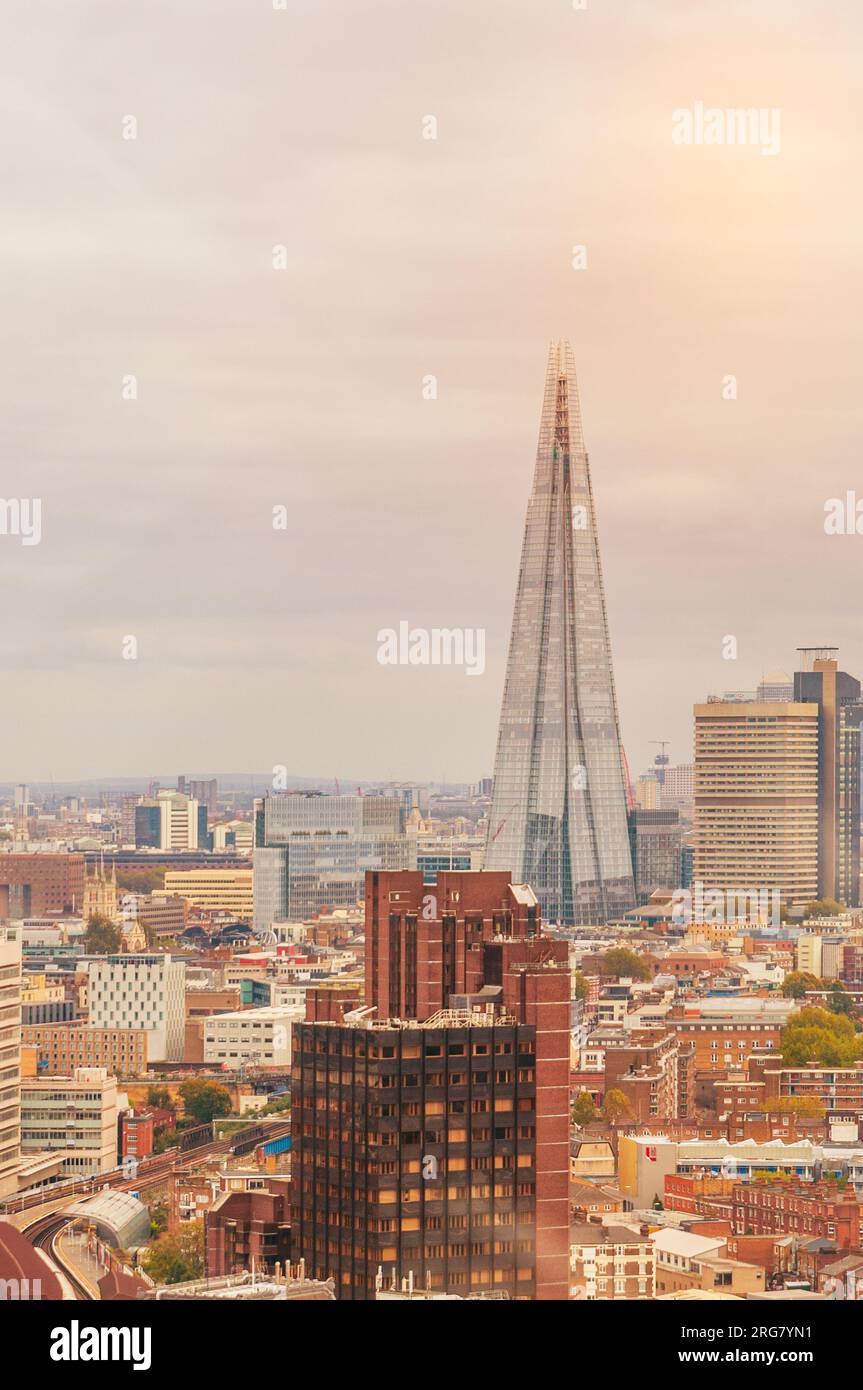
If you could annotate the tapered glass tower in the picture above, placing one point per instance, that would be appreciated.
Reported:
(558, 813)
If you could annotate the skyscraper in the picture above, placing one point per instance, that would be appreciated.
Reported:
(818, 680)
(430, 1127)
(756, 797)
(558, 812)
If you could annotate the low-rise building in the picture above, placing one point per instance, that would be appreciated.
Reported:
(254, 1037)
(610, 1262)
(61, 1048)
(678, 1258)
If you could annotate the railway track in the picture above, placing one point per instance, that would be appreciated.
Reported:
(42, 1234)
(158, 1165)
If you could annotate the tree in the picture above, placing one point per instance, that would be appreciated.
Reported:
(621, 961)
(819, 1036)
(823, 907)
(808, 1107)
(616, 1107)
(276, 1106)
(798, 983)
(839, 1000)
(205, 1100)
(178, 1257)
(583, 1111)
(140, 879)
(102, 936)
(581, 985)
(158, 1218)
(159, 1097)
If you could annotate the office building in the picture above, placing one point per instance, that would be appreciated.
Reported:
(179, 821)
(34, 885)
(215, 890)
(443, 1136)
(10, 1057)
(756, 798)
(62, 1048)
(204, 790)
(775, 685)
(248, 1230)
(655, 841)
(558, 814)
(251, 1037)
(418, 935)
(678, 787)
(836, 696)
(141, 992)
(148, 825)
(317, 849)
(74, 1116)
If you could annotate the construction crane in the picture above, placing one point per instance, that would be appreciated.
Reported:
(660, 762)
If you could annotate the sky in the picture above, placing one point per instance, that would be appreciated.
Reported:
(298, 379)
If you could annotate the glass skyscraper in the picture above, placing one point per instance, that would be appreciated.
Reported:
(558, 814)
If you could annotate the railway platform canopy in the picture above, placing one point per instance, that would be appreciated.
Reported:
(118, 1217)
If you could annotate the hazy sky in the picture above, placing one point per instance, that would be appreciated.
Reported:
(408, 257)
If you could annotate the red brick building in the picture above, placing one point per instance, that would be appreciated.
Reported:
(248, 1231)
(642, 1064)
(33, 885)
(419, 935)
(809, 1210)
(437, 1143)
(137, 1134)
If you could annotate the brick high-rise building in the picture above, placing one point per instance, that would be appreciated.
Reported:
(33, 885)
(642, 1064)
(439, 1144)
(418, 935)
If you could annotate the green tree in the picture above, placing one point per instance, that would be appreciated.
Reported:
(176, 1257)
(798, 982)
(581, 986)
(276, 1106)
(140, 879)
(584, 1111)
(159, 1097)
(823, 907)
(620, 961)
(616, 1107)
(839, 1001)
(808, 1107)
(820, 1037)
(205, 1100)
(158, 1218)
(102, 936)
